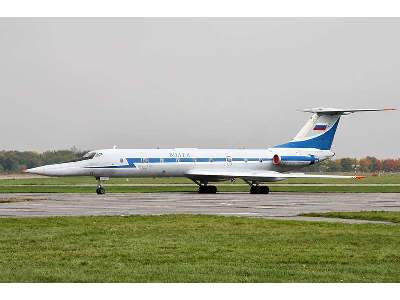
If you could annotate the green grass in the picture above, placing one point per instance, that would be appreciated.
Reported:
(388, 216)
(387, 179)
(77, 185)
(232, 188)
(182, 248)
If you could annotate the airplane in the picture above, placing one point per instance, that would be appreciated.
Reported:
(311, 145)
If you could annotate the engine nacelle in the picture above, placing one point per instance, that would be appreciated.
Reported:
(293, 160)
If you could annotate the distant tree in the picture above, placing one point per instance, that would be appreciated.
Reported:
(378, 166)
(397, 165)
(374, 163)
(331, 166)
(365, 165)
(347, 164)
(389, 165)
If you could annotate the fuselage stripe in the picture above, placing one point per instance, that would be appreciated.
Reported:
(139, 160)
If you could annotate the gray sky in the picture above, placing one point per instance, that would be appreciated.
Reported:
(95, 83)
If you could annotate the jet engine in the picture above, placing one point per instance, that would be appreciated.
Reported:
(293, 160)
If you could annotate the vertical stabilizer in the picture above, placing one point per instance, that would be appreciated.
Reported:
(320, 129)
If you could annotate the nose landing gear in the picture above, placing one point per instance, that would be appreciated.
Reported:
(100, 190)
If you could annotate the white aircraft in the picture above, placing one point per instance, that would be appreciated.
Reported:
(255, 166)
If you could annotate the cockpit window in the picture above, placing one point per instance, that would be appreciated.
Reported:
(87, 156)
(98, 154)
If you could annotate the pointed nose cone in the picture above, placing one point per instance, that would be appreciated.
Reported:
(65, 169)
(38, 171)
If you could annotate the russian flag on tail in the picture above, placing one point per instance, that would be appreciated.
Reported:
(320, 127)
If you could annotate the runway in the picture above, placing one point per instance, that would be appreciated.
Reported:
(274, 205)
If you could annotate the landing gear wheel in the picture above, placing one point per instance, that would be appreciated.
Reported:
(257, 189)
(254, 189)
(207, 189)
(100, 191)
(264, 190)
(212, 189)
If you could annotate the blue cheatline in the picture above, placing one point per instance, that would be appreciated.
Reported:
(322, 142)
(133, 161)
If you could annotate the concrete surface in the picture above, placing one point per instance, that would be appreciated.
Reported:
(275, 205)
(192, 184)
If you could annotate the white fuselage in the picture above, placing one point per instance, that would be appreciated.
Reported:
(177, 162)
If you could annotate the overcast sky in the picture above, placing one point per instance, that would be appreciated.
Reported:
(95, 83)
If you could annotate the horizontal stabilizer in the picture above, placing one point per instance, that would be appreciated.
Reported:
(340, 111)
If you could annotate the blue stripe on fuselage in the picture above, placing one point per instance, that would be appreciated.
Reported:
(133, 161)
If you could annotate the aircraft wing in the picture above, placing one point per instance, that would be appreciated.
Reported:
(261, 176)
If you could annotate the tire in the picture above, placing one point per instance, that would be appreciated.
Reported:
(264, 190)
(100, 191)
(255, 189)
(207, 189)
(212, 189)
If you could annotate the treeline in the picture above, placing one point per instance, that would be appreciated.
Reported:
(367, 164)
(17, 161)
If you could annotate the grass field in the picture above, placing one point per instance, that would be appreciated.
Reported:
(183, 248)
(388, 216)
(233, 188)
(87, 185)
(383, 179)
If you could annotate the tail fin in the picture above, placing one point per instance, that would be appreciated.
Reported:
(320, 129)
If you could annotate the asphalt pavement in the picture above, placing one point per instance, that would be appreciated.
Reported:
(274, 205)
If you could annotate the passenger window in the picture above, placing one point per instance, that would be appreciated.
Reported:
(245, 160)
(260, 160)
(145, 160)
(161, 160)
(211, 160)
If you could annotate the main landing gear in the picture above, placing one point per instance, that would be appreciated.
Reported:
(100, 190)
(204, 188)
(207, 189)
(255, 188)
(259, 189)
